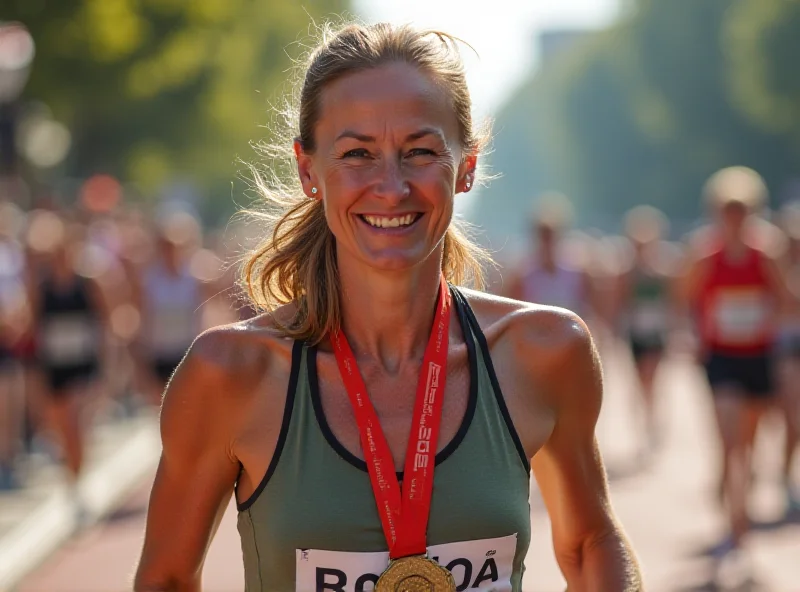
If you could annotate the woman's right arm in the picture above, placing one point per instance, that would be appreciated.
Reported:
(197, 470)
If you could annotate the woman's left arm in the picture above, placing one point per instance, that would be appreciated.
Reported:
(590, 545)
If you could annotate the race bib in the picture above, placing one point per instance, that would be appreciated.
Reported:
(741, 316)
(484, 565)
(649, 318)
(69, 339)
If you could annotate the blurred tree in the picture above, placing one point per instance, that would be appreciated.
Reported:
(759, 35)
(645, 111)
(153, 89)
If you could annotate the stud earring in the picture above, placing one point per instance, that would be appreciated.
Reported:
(469, 184)
(314, 190)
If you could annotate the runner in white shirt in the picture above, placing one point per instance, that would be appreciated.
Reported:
(548, 277)
(169, 301)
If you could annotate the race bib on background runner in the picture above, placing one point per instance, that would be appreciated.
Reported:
(741, 316)
(649, 318)
(485, 565)
(69, 338)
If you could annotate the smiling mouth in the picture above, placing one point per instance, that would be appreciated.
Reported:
(403, 221)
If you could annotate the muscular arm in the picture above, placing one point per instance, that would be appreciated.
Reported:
(589, 543)
(196, 473)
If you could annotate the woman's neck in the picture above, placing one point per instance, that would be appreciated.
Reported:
(387, 316)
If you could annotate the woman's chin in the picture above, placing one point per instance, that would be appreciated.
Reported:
(393, 260)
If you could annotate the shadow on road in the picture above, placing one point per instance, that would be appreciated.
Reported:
(623, 470)
(125, 514)
(790, 519)
(748, 585)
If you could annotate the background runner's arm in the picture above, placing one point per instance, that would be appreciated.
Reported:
(787, 299)
(596, 307)
(195, 476)
(514, 288)
(621, 298)
(689, 282)
(589, 543)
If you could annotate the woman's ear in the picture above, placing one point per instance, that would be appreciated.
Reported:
(466, 174)
(304, 170)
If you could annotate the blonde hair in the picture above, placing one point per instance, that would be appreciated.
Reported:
(296, 261)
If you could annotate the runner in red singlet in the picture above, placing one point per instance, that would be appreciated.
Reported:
(734, 289)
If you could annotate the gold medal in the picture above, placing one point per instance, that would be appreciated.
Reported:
(416, 573)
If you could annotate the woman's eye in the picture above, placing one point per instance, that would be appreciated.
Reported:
(420, 152)
(355, 153)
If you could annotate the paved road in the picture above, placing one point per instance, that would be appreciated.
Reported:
(667, 509)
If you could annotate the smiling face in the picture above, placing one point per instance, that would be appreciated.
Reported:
(387, 163)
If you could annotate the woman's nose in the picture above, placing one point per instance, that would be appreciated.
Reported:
(392, 184)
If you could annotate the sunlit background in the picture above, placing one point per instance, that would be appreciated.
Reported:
(121, 113)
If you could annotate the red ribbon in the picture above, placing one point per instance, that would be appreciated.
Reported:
(404, 519)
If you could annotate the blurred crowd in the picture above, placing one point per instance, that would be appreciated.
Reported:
(97, 308)
(726, 295)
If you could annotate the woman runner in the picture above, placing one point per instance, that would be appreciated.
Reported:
(275, 407)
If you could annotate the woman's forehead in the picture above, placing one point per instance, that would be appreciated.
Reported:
(395, 99)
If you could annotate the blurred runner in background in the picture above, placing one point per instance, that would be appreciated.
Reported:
(548, 276)
(70, 316)
(13, 316)
(788, 347)
(734, 288)
(642, 306)
(169, 297)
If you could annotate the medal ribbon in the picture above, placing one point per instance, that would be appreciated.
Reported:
(404, 519)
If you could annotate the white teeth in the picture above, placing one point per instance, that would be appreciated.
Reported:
(383, 222)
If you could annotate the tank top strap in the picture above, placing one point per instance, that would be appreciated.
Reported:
(299, 354)
(486, 372)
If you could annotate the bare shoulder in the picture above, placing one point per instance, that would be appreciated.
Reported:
(543, 343)
(235, 350)
(228, 366)
(529, 325)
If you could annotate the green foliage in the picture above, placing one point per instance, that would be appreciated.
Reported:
(158, 88)
(646, 111)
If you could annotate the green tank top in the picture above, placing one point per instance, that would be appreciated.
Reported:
(312, 523)
(647, 313)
